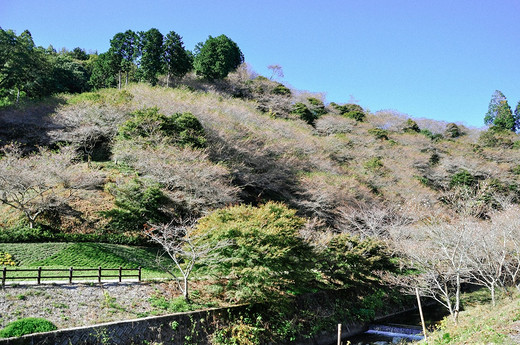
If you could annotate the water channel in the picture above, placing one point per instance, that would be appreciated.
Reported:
(399, 329)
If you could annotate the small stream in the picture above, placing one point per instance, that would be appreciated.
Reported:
(399, 329)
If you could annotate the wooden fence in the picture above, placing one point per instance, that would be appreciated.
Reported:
(68, 273)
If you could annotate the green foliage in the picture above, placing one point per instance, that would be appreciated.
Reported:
(239, 333)
(499, 114)
(217, 57)
(281, 89)
(184, 129)
(348, 260)
(462, 178)
(265, 256)
(429, 134)
(151, 64)
(317, 107)
(350, 110)
(411, 127)
(379, 133)
(304, 113)
(178, 61)
(374, 164)
(27, 325)
(104, 71)
(137, 203)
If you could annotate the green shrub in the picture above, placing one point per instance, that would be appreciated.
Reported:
(304, 113)
(27, 326)
(462, 178)
(316, 107)
(350, 110)
(373, 164)
(429, 134)
(137, 202)
(411, 127)
(281, 89)
(183, 129)
(265, 255)
(379, 133)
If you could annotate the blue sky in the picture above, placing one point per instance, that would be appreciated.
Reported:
(439, 59)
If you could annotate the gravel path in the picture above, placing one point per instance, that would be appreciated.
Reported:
(80, 304)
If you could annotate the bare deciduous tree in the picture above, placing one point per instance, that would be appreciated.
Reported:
(438, 251)
(40, 181)
(181, 244)
(87, 126)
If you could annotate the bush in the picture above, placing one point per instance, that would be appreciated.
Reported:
(265, 255)
(304, 113)
(183, 129)
(316, 107)
(350, 110)
(137, 203)
(462, 178)
(379, 133)
(411, 127)
(282, 90)
(27, 326)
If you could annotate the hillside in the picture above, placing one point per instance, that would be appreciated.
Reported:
(299, 195)
(401, 168)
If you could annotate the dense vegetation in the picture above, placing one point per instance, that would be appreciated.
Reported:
(266, 191)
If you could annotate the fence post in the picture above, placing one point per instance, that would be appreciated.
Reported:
(70, 275)
(120, 273)
(139, 275)
(4, 276)
(99, 275)
(39, 278)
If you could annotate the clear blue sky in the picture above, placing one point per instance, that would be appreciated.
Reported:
(439, 59)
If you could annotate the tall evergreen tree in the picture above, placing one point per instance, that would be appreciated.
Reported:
(217, 57)
(151, 54)
(124, 47)
(177, 60)
(499, 114)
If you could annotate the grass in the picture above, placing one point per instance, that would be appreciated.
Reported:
(481, 323)
(84, 255)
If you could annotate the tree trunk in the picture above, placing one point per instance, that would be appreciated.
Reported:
(119, 80)
(457, 300)
(168, 80)
(17, 95)
(492, 289)
(185, 292)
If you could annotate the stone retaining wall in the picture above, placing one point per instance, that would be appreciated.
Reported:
(182, 328)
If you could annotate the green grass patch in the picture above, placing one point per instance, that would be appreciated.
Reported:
(85, 255)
